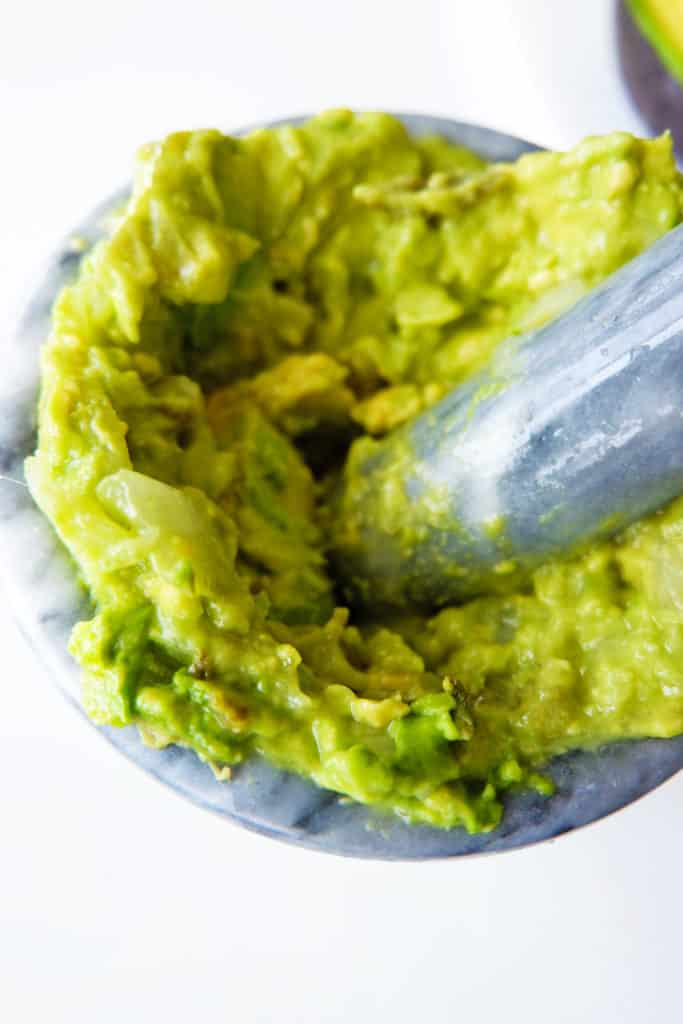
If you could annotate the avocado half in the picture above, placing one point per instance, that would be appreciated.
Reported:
(650, 40)
(661, 22)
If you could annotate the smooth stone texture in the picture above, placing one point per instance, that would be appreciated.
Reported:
(578, 434)
(46, 600)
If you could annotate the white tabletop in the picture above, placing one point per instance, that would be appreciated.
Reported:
(119, 901)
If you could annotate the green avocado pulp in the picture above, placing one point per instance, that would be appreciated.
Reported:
(259, 307)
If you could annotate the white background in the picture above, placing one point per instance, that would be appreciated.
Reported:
(118, 901)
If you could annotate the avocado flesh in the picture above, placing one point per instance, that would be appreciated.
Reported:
(258, 297)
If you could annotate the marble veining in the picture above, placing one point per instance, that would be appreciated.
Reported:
(45, 599)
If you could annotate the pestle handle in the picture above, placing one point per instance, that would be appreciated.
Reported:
(570, 434)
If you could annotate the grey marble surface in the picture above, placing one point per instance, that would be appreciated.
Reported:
(45, 601)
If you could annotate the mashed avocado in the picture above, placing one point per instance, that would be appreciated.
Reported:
(260, 306)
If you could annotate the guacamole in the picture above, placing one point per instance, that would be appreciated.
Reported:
(260, 307)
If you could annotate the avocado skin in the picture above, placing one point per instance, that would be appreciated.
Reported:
(655, 91)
